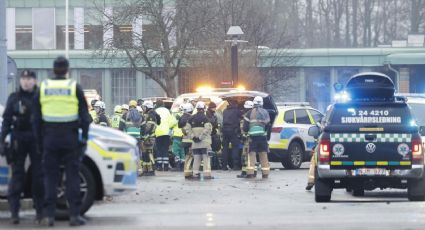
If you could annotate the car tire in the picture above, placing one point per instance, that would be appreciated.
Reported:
(294, 157)
(88, 190)
(416, 189)
(322, 189)
(358, 192)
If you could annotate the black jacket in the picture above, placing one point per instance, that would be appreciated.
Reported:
(213, 120)
(231, 120)
(18, 114)
(183, 120)
(61, 136)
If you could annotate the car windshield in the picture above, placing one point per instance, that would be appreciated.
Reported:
(418, 111)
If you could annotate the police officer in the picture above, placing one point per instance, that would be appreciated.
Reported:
(148, 127)
(117, 122)
(199, 129)
(215, 135)
(256, 122)
(187, 141)
(60, 111)
(231, 131)
(101, 118)
(245, 140)
(17, 123)
(162, 134)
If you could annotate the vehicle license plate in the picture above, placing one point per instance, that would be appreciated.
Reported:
(370, 172)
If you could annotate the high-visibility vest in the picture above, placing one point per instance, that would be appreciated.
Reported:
(93, 114)
(116, 120)
(59, 102)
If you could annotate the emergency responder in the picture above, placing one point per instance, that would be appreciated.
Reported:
(177, 146)
(93, 113)
(215, 136)
(245, 140)
(133, 121)
(60, 111)
(162, 133)
(140, 103)
(187, 141)
(101, 118)
(17, 123)
(124, 108)
(199, 129)
(151, 121)
(231, 131)
(117, 122)
(256, 122)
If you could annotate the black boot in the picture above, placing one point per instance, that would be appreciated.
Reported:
(76, 221)
(14, 219)
(242, 175)
(48, 222)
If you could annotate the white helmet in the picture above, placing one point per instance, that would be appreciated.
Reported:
(187, 107)
(200, 105)
(258, 101)
(100, 104)
(248, 105)
(148, 104)
(125, 107)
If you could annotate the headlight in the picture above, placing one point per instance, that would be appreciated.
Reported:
(112, 145)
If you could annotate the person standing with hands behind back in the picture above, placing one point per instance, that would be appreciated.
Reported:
(60, 111)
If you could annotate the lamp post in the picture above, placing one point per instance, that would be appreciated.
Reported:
(234, 32)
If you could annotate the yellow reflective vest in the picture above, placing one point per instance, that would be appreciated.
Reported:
(167, 122)
(59, 102)
(177, 132)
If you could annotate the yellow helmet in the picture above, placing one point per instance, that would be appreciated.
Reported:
(133, 103)
(118, 109)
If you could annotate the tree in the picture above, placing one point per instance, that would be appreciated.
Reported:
(173, 27)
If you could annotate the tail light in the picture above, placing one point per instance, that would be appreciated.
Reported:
(324, 151)
(277, 129)
(417, 152)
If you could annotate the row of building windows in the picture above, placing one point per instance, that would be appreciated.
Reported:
(44, 28)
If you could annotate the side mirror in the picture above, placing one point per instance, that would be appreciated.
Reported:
(314, 131)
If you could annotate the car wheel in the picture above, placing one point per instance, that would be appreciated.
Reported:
(88, 193)
(294, 158)
(416, 189)
(322, 189)
(358, 192)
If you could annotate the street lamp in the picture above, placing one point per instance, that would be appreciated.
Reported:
(234, 32)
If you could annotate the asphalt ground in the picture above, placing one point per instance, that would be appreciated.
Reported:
(168, 201)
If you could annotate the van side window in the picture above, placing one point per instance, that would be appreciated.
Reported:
(289, 117)
(302, 117)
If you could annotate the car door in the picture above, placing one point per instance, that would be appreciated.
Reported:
(304, 121)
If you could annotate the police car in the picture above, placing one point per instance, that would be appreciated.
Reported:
(109, 168)
(369, 141)
(289, 141)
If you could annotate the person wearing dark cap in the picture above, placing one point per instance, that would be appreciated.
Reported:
(60, 111)
(17, 124)
(215, 134)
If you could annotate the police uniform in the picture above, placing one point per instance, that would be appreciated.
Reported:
(60, 111)
(17, 122)
(163, 141)
(255, 123)
(231, 131)
(199, 129)
(151, 121)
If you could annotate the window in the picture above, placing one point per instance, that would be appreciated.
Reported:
(60, 37)
(93, 36)
(44, 35)
(123, 36)
(23, 32)
(91, 79)
(317, 117)
(289, 117)
(123, 86)
(302, 117)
